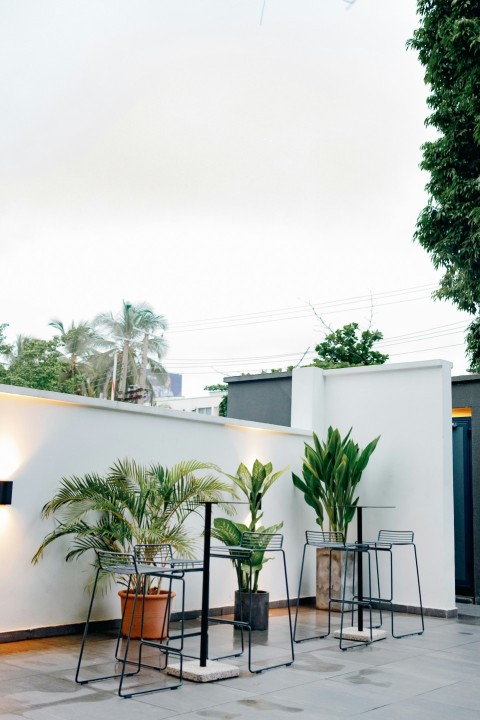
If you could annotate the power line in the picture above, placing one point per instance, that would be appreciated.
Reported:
(299, 311)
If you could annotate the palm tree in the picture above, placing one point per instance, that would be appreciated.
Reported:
(78, 344)
(135, 333)
(130, 505)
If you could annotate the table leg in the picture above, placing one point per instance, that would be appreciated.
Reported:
(360, 569)
(205, 586)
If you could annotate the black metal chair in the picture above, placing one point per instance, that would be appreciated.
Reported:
(386, 541)
(119, 564)
(251, 544)
(157, 561)
(126, 566)
(318, 539)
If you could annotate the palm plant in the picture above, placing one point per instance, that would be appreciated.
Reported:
(331, 472)
(137, 333)
(132, 504)
(78, 343)
(253, 485)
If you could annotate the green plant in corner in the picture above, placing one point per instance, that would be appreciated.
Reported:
(331, 472)
(253, 485)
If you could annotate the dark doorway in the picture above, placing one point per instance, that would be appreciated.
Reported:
(463, 510)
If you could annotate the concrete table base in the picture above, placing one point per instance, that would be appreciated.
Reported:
(213, 671)
(353, 633)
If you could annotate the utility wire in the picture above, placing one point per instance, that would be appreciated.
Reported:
(322, 306)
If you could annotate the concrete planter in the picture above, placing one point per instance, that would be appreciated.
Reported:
(323, 590)
(259, 602)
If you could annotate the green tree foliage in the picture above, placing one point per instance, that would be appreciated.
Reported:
(137, 333)
(448, 45)
(78, 346)
(223, 407)
(39, 365)
(220, 387)
(5, 351)
(5, 348)
(346, 347)
(79, 360)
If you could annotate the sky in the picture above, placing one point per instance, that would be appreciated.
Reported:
(242, 166)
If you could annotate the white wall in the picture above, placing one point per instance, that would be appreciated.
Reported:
(204, 405)
(55, 435)
(409, 406)
(44, 436)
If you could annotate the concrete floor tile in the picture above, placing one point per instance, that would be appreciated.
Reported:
(419, 678)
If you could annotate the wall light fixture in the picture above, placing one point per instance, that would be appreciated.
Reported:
(6, 487)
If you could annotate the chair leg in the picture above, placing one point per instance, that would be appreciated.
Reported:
(85, 635)
(150, 643)
(422, 622)
(311, 637)
(257, 671)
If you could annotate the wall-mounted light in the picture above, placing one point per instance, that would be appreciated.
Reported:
(6, 487)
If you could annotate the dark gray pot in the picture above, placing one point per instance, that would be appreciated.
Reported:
(259, 602)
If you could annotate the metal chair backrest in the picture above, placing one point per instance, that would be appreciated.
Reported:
(396, 537)
(116, 562)
(153, 554)
(320, 538)
(261, 541)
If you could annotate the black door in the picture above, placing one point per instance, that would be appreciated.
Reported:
(462, 499)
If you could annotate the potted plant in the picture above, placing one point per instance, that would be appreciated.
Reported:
(131, 505)
(253, 486)
(331, 472)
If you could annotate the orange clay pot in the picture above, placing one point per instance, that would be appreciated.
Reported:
(155, 622)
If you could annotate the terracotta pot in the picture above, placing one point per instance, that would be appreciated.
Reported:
(155, 622)
(259, 602)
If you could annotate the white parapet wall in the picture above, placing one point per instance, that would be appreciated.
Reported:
(47, 436)
(410, 473)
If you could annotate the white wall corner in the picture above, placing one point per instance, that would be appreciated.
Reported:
(308, 399)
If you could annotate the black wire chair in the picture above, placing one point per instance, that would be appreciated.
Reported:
(251, 544)
(318, 539)
(386, 541)
(161, 565)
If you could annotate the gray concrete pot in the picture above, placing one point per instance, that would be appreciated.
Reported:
(259, 602)
(323, 590)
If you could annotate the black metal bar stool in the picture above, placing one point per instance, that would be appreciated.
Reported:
(318, 539)
(251, 544)
(116, 563)
(158, 562)
(126, 566)
(388, 540)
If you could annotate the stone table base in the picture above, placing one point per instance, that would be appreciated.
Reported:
(213, 671)
(353, 633)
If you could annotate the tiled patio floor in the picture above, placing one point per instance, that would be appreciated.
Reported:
(434, 676)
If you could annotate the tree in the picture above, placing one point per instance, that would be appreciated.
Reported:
(78, 343)
(223, 405)
(448, 44)
(5, 348)
(343, 348)
(38, 364)
(137, 333)
(5, 351)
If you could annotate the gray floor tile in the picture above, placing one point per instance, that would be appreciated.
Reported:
(419, 677)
